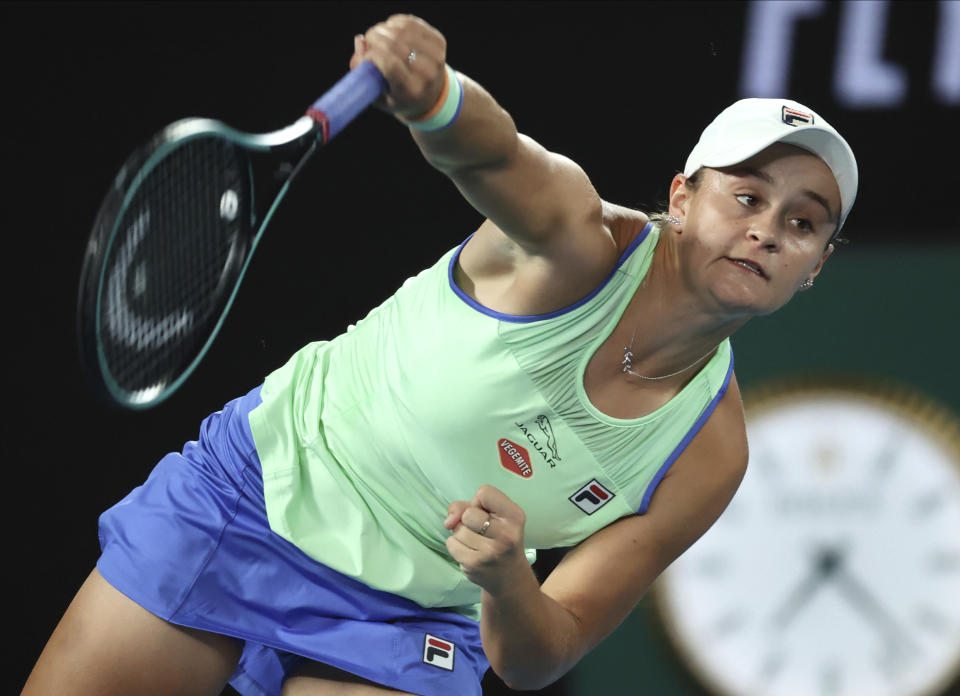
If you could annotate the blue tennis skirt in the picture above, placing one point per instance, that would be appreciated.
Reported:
(193, 546)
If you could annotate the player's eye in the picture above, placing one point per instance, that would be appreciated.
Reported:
(747, 199)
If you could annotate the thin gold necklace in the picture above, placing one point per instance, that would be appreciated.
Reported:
(627, 363)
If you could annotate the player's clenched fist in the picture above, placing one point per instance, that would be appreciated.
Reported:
(411, 55)
(487, 539)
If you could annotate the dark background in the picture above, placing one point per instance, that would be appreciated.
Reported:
(622, 88)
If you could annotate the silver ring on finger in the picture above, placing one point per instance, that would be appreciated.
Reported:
(412, 56)
(485, 526)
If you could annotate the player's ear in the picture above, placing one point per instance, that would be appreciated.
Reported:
(680, 195)
(823, 259)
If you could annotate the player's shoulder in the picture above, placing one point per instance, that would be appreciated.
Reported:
(623, 224)
(704, 478)
(721, 443)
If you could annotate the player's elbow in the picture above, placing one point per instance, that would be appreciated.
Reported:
(526, 679)
(527, 671)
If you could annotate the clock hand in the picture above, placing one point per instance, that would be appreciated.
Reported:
(870, 608)
(824, 566)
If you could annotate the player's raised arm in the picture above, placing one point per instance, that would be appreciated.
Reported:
(535, 197)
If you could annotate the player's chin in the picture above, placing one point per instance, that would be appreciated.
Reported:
(773, 304)
(738, 301)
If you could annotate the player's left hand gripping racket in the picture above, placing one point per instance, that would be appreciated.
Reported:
(175, 233)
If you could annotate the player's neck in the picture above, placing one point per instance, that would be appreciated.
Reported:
(668, 323)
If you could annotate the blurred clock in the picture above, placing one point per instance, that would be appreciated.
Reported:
(835, 571)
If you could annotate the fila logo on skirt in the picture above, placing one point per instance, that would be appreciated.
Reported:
(438, 652)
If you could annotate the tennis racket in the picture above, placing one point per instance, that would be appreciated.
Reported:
(175, 233)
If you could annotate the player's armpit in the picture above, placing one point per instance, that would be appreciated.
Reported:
(602, 579)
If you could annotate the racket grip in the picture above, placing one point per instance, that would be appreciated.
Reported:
(343, 102)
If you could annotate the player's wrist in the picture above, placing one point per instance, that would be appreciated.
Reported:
(512, 583)
(445, 110)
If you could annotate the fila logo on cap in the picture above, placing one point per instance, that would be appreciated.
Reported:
(792, 117)
(591, 497)
(438, 652)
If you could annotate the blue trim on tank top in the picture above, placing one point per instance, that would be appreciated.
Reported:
(528, 318)
(707, 412)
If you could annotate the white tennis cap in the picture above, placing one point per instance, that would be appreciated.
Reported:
(750, 125)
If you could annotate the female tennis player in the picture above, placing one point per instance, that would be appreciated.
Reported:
(360, 523)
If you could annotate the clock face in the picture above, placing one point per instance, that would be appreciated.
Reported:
(835, 571)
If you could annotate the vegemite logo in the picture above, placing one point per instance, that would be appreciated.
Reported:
(792, 117)
(591, 497)
(438, 652)
(514, 458)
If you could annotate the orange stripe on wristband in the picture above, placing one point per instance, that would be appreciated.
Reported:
(441, 100)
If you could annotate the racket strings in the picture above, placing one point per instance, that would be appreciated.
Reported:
(179, 245)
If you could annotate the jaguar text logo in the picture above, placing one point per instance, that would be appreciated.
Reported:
(548, 450)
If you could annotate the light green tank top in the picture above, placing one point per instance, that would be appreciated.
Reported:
(366, 439)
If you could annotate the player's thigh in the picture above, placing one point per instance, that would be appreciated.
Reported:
(106, 644)
(317, 679)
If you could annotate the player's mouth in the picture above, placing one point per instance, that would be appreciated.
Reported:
(750, 266)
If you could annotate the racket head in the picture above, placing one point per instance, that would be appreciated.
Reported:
(167, 251)
(173, 238)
